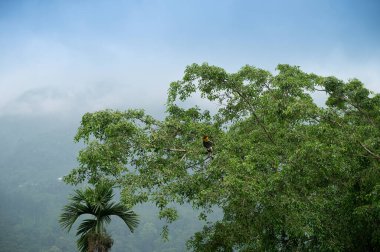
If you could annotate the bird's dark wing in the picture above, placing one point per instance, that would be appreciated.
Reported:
(207, 144)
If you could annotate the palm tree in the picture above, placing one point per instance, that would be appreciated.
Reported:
(96, 202)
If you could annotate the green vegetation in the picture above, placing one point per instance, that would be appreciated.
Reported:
(288, 174)
(97, 203)
(35, 152)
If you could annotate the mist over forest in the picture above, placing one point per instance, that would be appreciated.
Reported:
(295, 166)
(35, 153)
(259, 121)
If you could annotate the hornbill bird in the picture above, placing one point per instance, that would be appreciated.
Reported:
(208, 145)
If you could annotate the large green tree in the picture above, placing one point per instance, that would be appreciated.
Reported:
(97, 203)
(289, 173)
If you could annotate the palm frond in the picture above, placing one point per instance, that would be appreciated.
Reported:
(129, 217)
(82, 243)
(104, 218)
(78, 196)
(104, 193)
(87, 226)
(71, 212)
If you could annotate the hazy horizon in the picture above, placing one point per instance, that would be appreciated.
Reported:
(63, 57)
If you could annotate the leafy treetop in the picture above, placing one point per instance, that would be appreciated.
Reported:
(287, 172)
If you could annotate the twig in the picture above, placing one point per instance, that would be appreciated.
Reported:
(176, 150)
(370, 152)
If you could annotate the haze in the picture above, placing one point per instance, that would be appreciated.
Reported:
(60, 59)
(64, 57)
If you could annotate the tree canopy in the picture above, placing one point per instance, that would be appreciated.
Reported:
(288, 173)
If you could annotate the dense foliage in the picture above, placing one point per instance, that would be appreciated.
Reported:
(288, 173)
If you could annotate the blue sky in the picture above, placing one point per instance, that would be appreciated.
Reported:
(58, 56)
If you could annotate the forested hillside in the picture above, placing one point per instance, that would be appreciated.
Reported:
(34, 155)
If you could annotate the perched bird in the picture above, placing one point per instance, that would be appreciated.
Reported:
(208, 145)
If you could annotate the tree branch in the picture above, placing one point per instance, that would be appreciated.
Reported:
(369, 151)
(256, 117)
(361, 144)
(175, 150)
